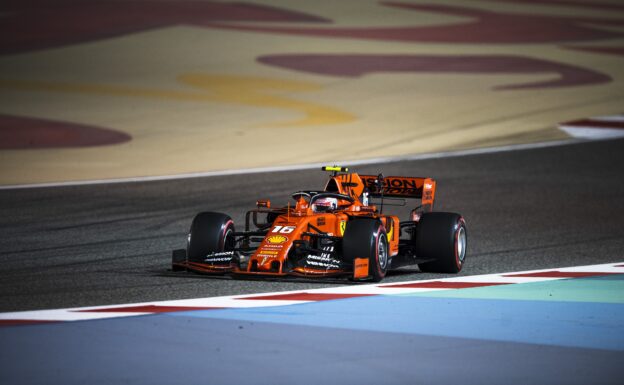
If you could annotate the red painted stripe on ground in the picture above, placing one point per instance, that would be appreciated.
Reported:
(596, 123)
(20, 133)
(443, 285)
(357, 65)
(307, 296)
(607, 50)
(15, 322)
(561, 274)
(146, 309)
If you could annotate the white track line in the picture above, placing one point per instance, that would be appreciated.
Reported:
(612, 118)
(248, 301)
(593, 133)
(592, 129)
(303, 166)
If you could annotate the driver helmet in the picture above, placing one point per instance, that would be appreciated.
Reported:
(325, 204)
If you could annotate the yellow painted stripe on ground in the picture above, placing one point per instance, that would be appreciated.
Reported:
(230, 89)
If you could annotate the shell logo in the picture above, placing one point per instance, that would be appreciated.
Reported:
(276, 239)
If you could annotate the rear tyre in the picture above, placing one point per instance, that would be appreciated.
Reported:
(366, 238)
(210, 233)
(443, 238)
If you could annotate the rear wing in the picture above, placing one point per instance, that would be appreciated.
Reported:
(402, 187)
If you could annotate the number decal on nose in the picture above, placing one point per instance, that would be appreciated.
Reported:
(283, 229)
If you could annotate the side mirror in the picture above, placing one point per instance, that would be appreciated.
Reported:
(263, 203)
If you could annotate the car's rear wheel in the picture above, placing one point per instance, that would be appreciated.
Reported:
(210, 232)
(366, 238)
(441, 237)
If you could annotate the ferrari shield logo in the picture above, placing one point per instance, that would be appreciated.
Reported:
(390, 230)
(343, 226)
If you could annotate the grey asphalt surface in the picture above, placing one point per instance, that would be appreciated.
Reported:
(111, 244)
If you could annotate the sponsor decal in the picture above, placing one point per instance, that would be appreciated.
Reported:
(271, 252)
(269, 246)
(405, 186)
(221, 257)
(343, 227)
(283, 229)
(322, 264)
(276, 239)
(392, 182)
(265, 257)
(325, 260)
(360, 268)
(217, 259)
(322, 258)
(428, 186)
(220, 254)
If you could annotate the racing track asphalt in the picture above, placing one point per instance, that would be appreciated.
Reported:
(110, 244)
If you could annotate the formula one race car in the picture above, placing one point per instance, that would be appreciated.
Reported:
(338, 231)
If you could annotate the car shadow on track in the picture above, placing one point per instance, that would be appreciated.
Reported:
(338, 280)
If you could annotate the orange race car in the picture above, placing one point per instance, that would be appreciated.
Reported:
(338, 231)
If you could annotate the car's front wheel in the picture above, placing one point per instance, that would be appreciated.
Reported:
(210, 232)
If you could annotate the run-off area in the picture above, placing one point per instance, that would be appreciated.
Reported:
(546, 331)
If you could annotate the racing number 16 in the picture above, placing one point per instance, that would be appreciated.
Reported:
(283, 229)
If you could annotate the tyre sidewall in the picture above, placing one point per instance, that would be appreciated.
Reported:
(376, 270)
(461, 224)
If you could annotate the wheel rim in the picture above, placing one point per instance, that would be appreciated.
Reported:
(460, 245)
(382, 252)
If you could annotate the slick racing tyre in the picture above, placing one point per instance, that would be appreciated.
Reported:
(366, 238)
(441, 237)
(210, 233)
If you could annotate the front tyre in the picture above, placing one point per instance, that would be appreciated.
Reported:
(441, 237)
(210, 233)
(366, 238)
